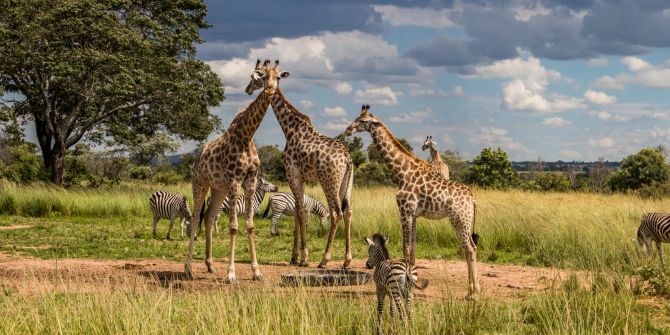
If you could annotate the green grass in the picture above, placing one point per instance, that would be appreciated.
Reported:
(569, 230)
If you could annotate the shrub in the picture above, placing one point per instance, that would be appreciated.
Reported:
(493, 169)
(644, 168)
(140, 172)
(168, 177)
(371, 174)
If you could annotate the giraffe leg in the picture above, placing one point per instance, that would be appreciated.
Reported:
(334, 221)
(412, 242)
(182, 221)
(216, 202)
(407, 207)
(297, 187)
(249, 191)
(199, 193)
(347, 240)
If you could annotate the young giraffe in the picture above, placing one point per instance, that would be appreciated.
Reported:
(424, 193)
(229, 162)
(310, 156)
(435, 158)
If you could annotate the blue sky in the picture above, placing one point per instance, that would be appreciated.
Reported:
(569, 80)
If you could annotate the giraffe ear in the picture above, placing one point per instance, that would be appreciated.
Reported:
(374, 123)
(369, 241)
(284, 74)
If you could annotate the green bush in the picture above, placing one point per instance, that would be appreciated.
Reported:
(547, 182)
(140, 172)
(168, 177)
(21, 164)
(642, 169)
(371, 173)
(493, 169)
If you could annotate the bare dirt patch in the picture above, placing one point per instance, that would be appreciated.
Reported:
(31, 276)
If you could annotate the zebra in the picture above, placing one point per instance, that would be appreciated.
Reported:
(654, 227)
(284, 204)
(262, 186)
(395, 278)
(166, 205)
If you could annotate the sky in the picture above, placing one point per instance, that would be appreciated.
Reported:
(550, 79)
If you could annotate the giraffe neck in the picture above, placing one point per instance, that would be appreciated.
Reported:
(435, 156)
(398, 159)
(247, 121)
(290, 119)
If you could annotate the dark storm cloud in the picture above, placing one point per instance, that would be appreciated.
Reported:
(493, 33)
(252, 20)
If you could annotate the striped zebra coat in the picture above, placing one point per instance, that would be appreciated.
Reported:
(395, 278)
(284, 204)
(166, 205)
(262, 186)
(654, 227)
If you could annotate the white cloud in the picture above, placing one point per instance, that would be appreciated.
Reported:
(414, 16)
(556, 121)
(413, 117)
(635, 63)
(598, 62)
(599, 98)
(657, 132)
(498, 137)
(605, 142)
(336, 126)
(306, 104)
(457, 91)
(526, 88)
(335, 111)
(378, 95)
(342, 88)
(571, 154)
(525, 13)
(235, 73)
(611, 83)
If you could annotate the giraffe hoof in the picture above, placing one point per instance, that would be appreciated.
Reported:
(322, 265)
(188, 274)
(346, 266)
(257, 277)
(294, 261)
(231, 279)
(303, 264)
(472, 297)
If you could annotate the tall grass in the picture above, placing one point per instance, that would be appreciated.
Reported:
(572, 230)
(136, 309)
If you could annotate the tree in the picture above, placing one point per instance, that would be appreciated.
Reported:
(106, 69)
(272, 167)
(375, 155)
(371, 174)
(147, 148)
(598, 174)
(354, 146)
(492, 168)
(645, 168)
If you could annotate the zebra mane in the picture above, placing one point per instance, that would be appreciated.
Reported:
(379, 240)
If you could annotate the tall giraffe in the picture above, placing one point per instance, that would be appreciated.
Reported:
(229, 162)
(423, 192)
(435, 159)
(310, 156)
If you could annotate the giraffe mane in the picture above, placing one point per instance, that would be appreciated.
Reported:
(401, 147)
(293, 109)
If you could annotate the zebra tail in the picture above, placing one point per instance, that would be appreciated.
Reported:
(266, 213)
(421, 284)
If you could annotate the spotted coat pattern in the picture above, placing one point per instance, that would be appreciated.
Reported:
(435, 159)
(423, 192)
(310, 156)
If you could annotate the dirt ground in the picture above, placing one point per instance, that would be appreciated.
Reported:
(32, 276)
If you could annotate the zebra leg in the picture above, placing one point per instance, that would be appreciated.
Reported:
(154, 225)
(380, 309)
(647, 246)
(249, 193)
(409, 296)
(181, 227)
(660, 252)
(167, 237)
(275, 217)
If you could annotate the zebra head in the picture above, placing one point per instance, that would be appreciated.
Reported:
(377, 251)
(266, 186)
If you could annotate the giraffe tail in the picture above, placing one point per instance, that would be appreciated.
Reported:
(475, 236)
(348, 179)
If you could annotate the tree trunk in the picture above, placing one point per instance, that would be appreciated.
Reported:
(58, 167)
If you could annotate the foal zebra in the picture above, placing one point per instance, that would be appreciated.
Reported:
(654, 227)
(166, 205)
(262, 186)
(284, 204)
(395, 278)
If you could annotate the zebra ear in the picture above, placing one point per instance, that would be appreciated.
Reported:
(369, 241)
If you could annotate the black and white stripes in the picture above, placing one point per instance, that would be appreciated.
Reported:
(284, 204)
(395, 278)
(654, 227)
(166, 205)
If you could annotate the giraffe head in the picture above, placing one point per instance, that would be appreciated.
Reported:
(265, 77)
(364, 122)
(428, 143)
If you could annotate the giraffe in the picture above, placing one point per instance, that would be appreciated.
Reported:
(423, 192)
(229, 162)
(435, 159)
(311, 156)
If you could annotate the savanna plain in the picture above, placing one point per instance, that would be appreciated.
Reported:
(85, 262)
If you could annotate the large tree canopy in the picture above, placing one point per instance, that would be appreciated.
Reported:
(106, 69)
